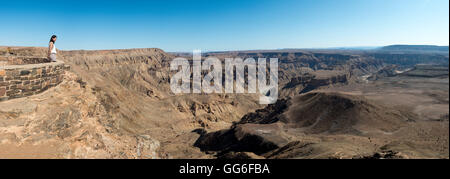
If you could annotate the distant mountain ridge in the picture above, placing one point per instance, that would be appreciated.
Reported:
(431, 48)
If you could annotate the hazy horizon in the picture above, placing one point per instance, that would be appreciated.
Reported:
(323, 48)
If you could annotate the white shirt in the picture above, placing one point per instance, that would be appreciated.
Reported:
(53, 49)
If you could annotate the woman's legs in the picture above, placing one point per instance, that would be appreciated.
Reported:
(52, 57)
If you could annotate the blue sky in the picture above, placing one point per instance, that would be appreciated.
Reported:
(177, 25)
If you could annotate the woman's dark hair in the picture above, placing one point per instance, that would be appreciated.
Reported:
(51, 38)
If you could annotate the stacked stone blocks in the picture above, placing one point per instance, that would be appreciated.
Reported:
(25, 80)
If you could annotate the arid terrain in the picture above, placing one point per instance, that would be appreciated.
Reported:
(391, 102)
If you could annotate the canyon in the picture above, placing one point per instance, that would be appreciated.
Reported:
(387, 103)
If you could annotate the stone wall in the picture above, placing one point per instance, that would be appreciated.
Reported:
(24, 80)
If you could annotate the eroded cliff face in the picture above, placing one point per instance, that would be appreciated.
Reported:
(124, 95)
(67, 121)
(118, 104)
(303, 71)
(329, 125)
(133, 85)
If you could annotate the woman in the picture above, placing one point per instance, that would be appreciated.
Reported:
(52, 49)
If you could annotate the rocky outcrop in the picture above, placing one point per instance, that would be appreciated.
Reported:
(270, 132)
(410, 60)
(427, 71)
(388, 71)
(316, 83)
(70, 120)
